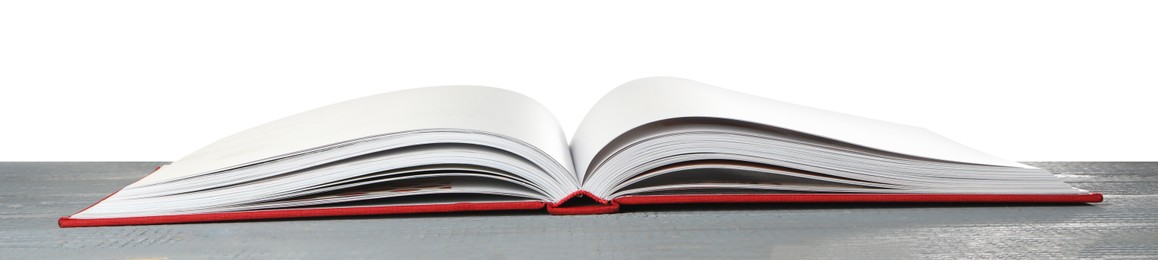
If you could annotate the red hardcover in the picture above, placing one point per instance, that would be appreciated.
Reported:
(603, 207)
(859, 198)
(594, 205)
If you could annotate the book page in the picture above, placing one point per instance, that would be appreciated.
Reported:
(647, 100)
(485, 109)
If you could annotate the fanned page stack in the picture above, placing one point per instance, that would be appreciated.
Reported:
(650, 141)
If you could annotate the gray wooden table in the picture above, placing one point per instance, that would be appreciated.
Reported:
(34, 195)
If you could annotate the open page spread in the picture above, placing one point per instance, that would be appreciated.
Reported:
(650, 139)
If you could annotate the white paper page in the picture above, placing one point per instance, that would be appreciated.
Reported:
(445, 183)
(442, 183)
(463, 107)
(653, 99)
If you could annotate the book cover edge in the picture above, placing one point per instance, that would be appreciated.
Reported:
(1092, 197)
(67, 222)
(605, 206)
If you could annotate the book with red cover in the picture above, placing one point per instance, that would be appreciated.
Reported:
(651, 141)
(604, 207)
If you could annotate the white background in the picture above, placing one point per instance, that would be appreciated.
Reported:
(155, 80)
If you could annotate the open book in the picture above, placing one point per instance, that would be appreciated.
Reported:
(650, 141)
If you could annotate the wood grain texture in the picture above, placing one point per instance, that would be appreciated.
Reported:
(33, 195)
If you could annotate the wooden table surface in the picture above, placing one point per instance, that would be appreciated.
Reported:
(34, 194)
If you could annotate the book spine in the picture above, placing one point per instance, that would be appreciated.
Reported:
(582, 202)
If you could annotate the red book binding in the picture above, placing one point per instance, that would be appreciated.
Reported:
(600, 206)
